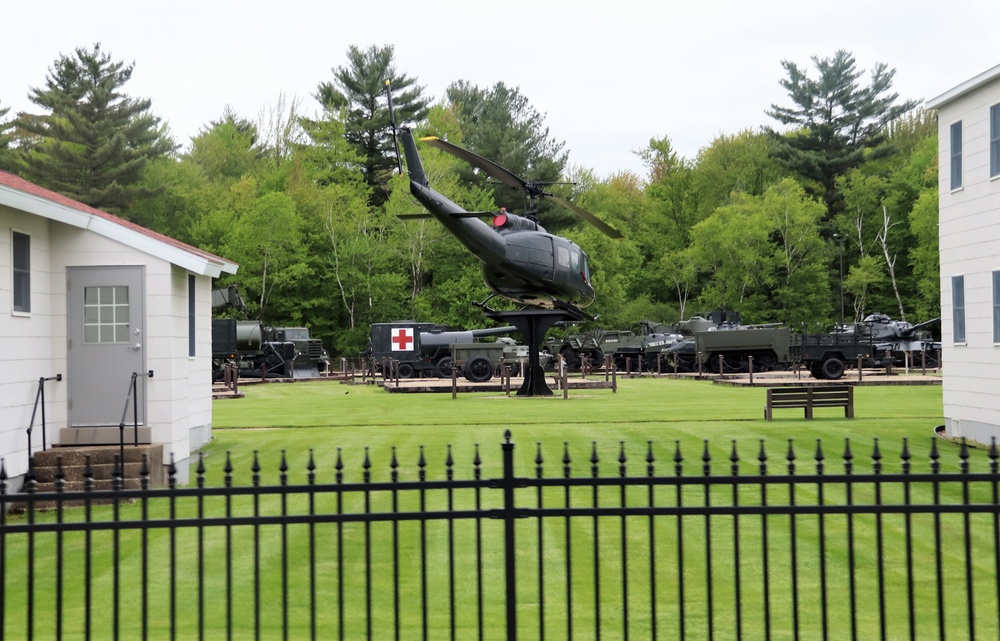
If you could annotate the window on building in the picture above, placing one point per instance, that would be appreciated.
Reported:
(956, 155)
(958, 308)
(21, 270)
(191, 341)
(996, 307)
(994, 141)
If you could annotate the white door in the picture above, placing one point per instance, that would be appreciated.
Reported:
(106, 344)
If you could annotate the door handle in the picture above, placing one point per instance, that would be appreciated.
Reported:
(136, 347)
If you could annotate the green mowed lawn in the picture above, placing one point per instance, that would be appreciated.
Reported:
(327, 417)
(358, 570)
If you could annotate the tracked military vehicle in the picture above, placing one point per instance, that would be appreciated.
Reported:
(719, 334)
(645, 350)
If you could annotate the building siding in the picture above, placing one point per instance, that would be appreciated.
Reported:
(179, 394)
(969, 235)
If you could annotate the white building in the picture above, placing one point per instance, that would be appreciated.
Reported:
(969, 230)
(91, 298)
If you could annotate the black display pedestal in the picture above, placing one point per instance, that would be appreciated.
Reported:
(532, 323)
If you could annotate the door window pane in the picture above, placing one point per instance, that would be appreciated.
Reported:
(105, 314)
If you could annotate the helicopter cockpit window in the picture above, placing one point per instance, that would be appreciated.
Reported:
(562, 256)
(574, 259)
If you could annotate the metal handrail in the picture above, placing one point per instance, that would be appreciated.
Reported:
(133, 395)
(40, 399)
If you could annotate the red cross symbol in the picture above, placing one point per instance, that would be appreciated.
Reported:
(402, 338)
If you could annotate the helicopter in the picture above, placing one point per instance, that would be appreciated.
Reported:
(521, 261)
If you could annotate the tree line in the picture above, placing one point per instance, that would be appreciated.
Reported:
(838, 193)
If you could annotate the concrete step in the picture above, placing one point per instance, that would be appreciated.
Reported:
(45, 465)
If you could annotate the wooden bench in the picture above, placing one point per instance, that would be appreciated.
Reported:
(810, 397)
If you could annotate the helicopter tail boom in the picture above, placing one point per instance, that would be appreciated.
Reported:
(413, 165)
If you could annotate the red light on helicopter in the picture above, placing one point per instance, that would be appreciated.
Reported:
(499, 220)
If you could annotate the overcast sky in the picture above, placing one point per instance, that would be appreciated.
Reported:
(608, 75)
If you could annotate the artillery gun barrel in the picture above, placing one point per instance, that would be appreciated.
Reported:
(438, 339)
(924, 324)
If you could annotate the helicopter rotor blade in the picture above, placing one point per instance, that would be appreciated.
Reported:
(534, 189)
(467, 214)
(607, 229)
(478, 161)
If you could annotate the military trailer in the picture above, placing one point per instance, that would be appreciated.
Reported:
(827, 356)
(422, 349)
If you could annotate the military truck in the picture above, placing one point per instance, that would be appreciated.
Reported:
(310, 358)
(259, 350)
(573, 348)
(422, 349)
(244, 344)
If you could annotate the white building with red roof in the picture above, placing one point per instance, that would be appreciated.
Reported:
(89, 301)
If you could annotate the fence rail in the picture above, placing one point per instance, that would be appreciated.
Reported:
(541, 551)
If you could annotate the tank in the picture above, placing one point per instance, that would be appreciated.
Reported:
(901, 342)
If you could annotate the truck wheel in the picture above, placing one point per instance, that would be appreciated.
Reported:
(405, 370)
(479, 369)
(833, 368)
(571, 357)
(443, 367)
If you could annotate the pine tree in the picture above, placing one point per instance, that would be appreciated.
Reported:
(838, 123)
(94, 141)
(358, 89)
(500, 124)
(5, 137)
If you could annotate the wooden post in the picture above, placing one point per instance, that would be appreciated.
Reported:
(614, 380)
(750, 362)
(699, 365)
(565, 382)
(860, 361)
(675, 364)
(454, 380)
(720, 365)
(659, 356)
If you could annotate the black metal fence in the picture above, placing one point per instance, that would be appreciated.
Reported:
(672, 550)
